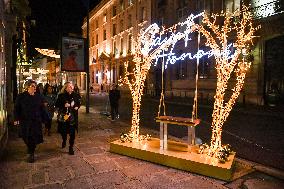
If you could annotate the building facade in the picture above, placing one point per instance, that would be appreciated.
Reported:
(113, 23)
(3, 94)
(12, 17)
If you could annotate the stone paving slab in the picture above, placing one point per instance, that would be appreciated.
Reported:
(93, 166)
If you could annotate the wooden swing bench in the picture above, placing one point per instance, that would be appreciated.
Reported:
(182, 121)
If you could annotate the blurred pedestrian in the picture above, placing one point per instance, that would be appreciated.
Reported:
(76, 89)
(50, 99)
(29, 115)
(59, 87)
(39, 89)
(114, 96)
(68, 103)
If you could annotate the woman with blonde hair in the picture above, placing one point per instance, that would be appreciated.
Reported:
(68, 103)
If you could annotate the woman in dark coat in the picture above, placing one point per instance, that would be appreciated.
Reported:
(29, 114)
(50, 99)
(68, 103)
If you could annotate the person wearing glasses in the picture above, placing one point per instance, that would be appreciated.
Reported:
(29, 115)
(68, 103)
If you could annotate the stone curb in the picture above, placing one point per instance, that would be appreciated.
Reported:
(277, 173)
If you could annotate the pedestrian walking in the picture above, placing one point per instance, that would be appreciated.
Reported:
(114, 96)
(68, 103)
(76, 89)
(50, 100)
(29, 115)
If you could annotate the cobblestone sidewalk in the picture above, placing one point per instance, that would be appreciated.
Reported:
(93, 166)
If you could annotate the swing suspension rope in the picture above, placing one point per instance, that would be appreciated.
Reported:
(195, 103)
(162, 99)
(194, 108)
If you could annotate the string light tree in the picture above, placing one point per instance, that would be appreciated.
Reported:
(237, 27)
(146, 49)
(135, 80)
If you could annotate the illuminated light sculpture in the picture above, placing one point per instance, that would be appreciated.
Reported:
(148, 46)
(230, 44)
(237, 27)
(154, 43)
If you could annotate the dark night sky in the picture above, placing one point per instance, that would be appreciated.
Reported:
(55, 18)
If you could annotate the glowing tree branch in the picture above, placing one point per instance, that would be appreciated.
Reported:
(147, 47)
(238, 24)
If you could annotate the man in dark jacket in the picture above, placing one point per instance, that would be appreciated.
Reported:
(114, 96)
(29, 114)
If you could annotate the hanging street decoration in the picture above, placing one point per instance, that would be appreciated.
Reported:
(48, 52)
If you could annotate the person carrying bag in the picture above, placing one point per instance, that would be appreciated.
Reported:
(68, 104)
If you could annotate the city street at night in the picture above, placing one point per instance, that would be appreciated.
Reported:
(141, 94)
(93, 166)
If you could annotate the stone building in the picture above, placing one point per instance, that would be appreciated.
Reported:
(114, 22)
(113, 25)
(12, 21)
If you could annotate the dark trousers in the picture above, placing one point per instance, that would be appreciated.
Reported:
(65, 129)
(48, 124)
(114, 110)
(30, 145)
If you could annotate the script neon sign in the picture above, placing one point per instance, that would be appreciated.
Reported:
(154, 36)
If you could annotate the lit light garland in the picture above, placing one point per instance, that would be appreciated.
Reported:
(48, 52)
(148, 47)
(237, 24)
(154, 43)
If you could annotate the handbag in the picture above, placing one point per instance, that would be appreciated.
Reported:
(66, 117)
(61, 117)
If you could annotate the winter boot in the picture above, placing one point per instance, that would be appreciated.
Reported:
(63, 144)
(31, 158)
(71, 151)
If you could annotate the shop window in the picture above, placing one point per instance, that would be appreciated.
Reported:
(204, 67)
(129, 43)
(121, 25)
(105, 18)
(121, 3)
(181, 70)
(97, 77)
(121, 46)
(129, 21)
(93, 77)
(113, 29)
(115, 50)
(143, 14)
(114, 11)
(105, 35)
(232, 5)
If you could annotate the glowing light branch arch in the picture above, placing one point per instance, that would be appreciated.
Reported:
(236, 27)
(48, 52)
(148, 46)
